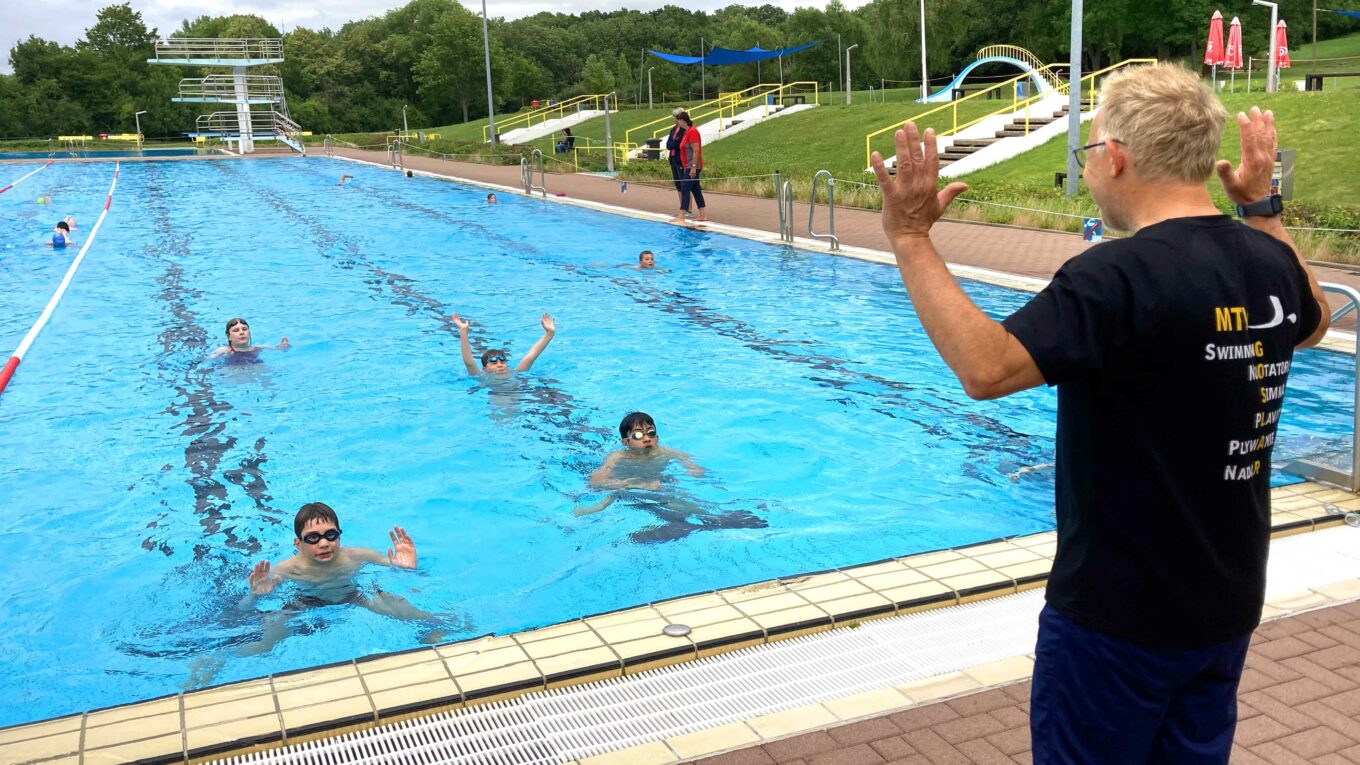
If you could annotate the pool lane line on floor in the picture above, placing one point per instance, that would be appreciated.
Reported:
(26, 177)
(15, 358)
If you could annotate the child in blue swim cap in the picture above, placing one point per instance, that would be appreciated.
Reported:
(61, 235)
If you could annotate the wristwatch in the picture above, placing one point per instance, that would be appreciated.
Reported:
(1269, 207)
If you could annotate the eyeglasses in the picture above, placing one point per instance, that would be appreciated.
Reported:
(495, 359)
(639, 435)
(313, 537)
(1080, 153)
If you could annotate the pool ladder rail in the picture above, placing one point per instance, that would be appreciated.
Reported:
(783, 194)
(395, 157)
(527, 166)
(830, 234)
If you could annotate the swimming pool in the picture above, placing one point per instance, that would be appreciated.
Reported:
(142, 481)
(104, 154)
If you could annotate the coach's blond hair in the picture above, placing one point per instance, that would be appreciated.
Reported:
(1169, 120)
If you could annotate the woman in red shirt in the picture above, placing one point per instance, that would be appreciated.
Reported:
(692, 162)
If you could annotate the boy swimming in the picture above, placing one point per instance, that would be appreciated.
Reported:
(494, 361)
(61, 235)
(636, 474)
(326, 570)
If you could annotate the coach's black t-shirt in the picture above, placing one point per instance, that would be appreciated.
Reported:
(1170, 351)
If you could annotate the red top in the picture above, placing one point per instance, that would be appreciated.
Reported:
(691, 137)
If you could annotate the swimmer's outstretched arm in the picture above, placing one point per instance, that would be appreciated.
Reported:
(549, 329)
(220, 351)
(462, 325)
(402, 553)
(693, 468)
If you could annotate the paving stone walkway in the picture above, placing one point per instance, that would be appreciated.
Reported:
(1299, 703)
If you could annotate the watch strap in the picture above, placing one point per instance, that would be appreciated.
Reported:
(1269, 207)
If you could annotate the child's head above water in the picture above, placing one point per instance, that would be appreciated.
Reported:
(646, 259)
(638, 430)
(495, 361)
(241, 334)
(317, 531)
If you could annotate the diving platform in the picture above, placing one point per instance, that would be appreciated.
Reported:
(230, 89)
(201, 51)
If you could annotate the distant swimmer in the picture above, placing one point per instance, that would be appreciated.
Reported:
(491, 199)
(494, 361)
(646, 262)
(238, 342)
(70, 223)
(344, 178)
(61, 235)
(44, 199)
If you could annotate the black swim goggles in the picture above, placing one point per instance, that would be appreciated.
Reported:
(312, 537)
(495, 360)
(639, 435)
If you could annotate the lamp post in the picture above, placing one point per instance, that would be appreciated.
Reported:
(405, 131)
(925, 79)
(840, 74)
(848, 95)
(1314, 32)
(649, 86)
(486, 48)
(138, 119)
(703, 82)
(1273, 73)
(1074, 102)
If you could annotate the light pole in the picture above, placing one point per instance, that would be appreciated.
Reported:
(405, 131)
(1315, 32)
(925, 79)
(486, 48)
(1272, 74)
(138, 119)
(848, 94)
(649, 86)
(1074, 102)
(840, 73)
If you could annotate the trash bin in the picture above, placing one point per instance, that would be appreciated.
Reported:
(653, 150)
(534, 102)
(1020, 89)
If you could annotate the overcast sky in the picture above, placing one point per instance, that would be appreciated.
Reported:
(65, 21)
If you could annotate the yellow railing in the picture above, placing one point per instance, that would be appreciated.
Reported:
(621, 151)
(596, 102)
(1022, 54)
(727, 105)
(1016, 103)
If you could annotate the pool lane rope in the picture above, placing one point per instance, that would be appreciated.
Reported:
(18, 355)
(21, 180)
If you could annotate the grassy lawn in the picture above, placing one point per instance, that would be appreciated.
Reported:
(1320, 127)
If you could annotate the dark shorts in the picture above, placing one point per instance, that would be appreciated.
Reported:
(1101, 699)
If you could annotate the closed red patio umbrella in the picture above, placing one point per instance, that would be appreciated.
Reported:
(1232, 52)
(1281, 46)
(1213, 51)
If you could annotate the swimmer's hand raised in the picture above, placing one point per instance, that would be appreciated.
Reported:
(461, 323)
(402, 553)
(549, 325)
(261, 581)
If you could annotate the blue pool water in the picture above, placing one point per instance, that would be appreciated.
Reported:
(141, 481)
(102, 154)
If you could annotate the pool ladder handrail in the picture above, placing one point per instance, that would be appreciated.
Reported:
(1317, 471)
(830, 234)
(51, 148)
(395, 157)
(527, 167)
(783, 195)
(328, 145)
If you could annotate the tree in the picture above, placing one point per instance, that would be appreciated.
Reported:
(595, 75)
(451, 71)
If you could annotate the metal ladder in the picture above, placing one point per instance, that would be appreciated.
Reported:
(1317, 470)
(395, 158)
(527, 165)
(328, 145)
(830, 234)
(783, 195)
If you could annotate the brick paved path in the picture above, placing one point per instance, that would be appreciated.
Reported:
(1299, 702)
(1028, 252)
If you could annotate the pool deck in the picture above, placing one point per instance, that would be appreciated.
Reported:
(1299, 701)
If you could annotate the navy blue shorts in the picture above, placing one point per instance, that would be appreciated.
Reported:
(1100, 700)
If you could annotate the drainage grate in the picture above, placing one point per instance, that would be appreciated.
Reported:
(553, 727)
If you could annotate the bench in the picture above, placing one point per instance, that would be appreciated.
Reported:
(1314, 81)
(797, 98)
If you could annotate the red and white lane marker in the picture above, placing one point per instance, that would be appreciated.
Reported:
(26, 177)
(8, 371)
